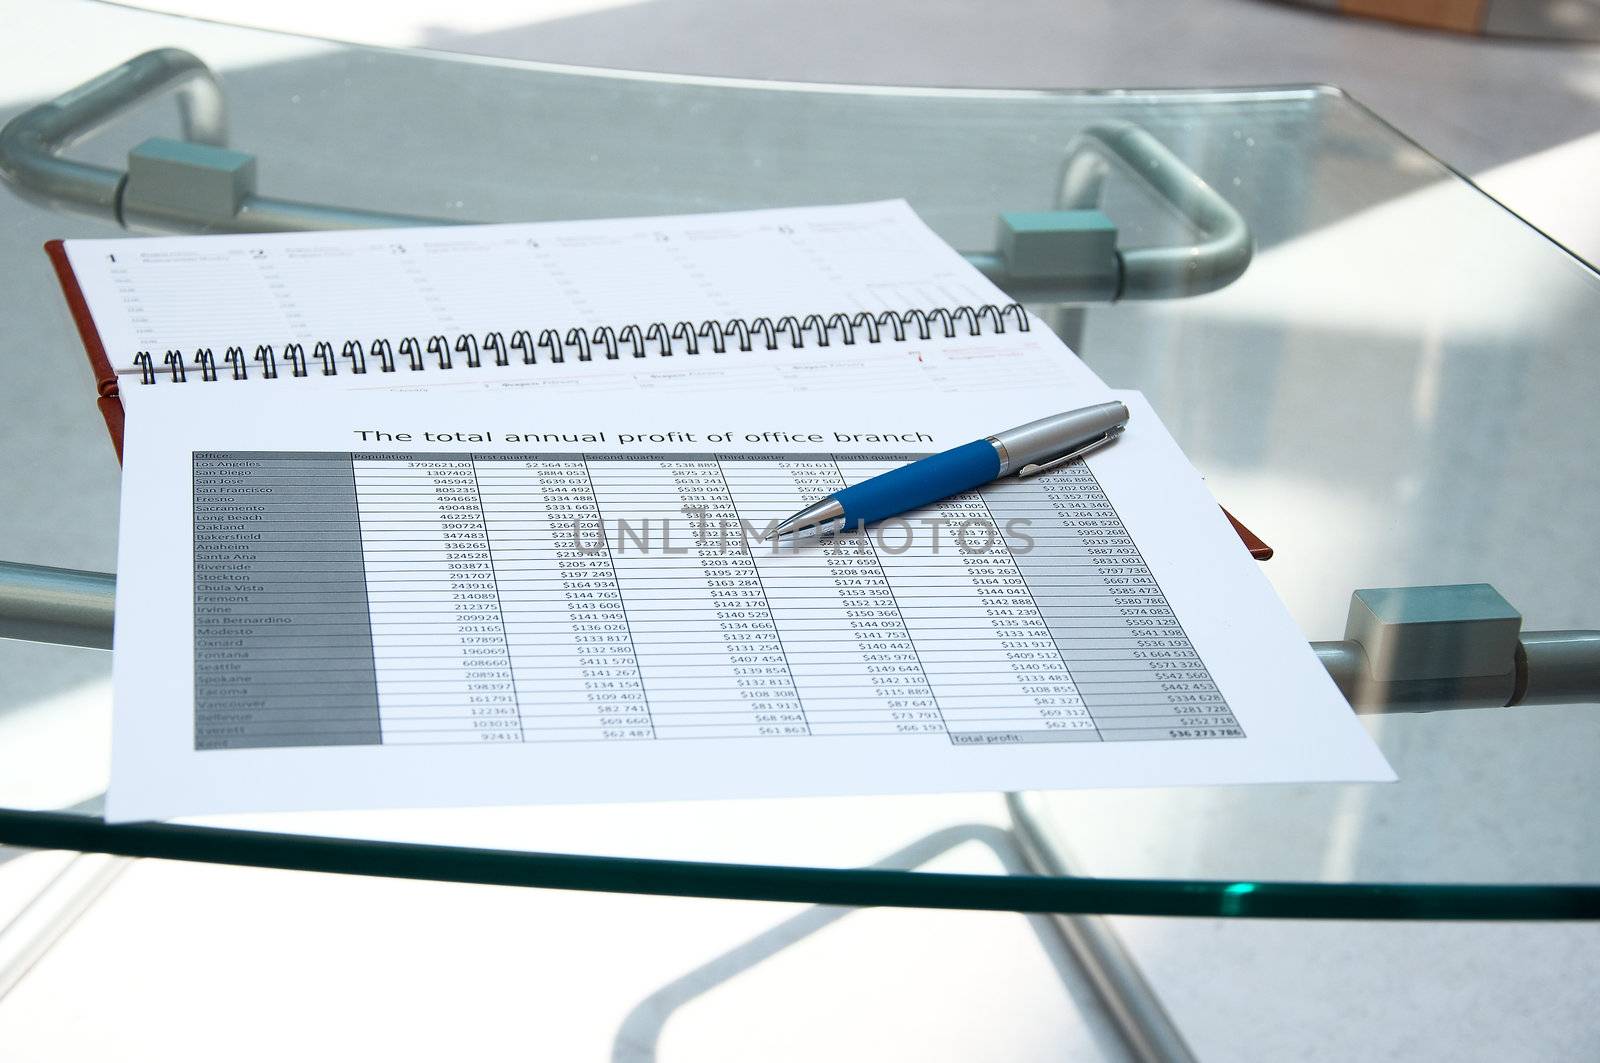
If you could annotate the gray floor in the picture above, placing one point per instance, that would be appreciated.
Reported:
(1474, 103)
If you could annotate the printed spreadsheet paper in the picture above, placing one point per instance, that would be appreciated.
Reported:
(313, 616)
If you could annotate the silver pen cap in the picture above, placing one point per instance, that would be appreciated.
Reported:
(1051, 440)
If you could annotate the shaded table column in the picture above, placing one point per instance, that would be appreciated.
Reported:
(1130, 658)
(283, 647)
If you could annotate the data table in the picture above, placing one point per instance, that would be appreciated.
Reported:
(367, 598)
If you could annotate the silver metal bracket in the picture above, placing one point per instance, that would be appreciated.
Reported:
(198, 185)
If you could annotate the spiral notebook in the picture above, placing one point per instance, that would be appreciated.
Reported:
(859, 298)
(384, 490)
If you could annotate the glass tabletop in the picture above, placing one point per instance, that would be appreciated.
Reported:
(1397, 391)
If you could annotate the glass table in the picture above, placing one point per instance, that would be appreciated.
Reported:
(1395, 390)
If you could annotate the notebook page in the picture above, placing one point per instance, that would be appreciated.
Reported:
(186, 293)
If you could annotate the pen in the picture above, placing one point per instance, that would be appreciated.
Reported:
(1035, 447)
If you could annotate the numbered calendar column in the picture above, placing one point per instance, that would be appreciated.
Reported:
(571, 652)
(843, 635)
(438, 640)
(708, 648)
(1139, 675)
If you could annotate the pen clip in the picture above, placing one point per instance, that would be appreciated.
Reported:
(1076, 452)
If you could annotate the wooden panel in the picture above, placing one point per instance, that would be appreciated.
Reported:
(1463, 15)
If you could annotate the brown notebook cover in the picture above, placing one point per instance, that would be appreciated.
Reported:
(105, 376)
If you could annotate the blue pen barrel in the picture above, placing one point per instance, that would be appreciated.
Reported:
(920, 483)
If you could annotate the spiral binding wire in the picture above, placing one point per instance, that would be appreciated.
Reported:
(411, 354)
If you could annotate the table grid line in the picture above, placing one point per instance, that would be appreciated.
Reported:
(611, 563)
(499, 600)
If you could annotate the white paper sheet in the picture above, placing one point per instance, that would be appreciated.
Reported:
(289, 579)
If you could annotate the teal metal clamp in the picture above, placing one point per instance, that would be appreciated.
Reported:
(1417, 649)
